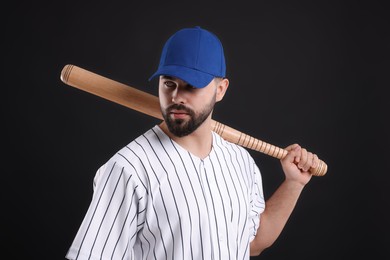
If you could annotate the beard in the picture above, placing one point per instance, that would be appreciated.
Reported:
(181, 127)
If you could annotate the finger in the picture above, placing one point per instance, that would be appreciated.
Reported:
(291, 147)
(303, 159)
(293, 154)
(309, 162)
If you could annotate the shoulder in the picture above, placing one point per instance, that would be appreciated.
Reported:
(219, 141)
(234, 151)
(237, 156)
(141, 150)
(132, 151)
(130, 160)
(128, 157)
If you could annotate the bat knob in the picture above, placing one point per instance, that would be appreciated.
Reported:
(66, 71)
(320, 170)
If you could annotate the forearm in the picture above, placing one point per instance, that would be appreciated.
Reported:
(277, 211)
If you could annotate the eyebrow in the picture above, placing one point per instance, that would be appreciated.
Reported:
(167, 77)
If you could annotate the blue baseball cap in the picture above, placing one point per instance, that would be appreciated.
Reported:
(194, 55)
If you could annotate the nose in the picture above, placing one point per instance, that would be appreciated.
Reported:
(178, 95)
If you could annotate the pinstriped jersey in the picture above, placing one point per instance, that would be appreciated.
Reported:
(155, 200)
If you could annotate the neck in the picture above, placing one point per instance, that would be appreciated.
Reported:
(199, 143)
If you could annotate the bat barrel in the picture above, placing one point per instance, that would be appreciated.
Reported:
(111, 90)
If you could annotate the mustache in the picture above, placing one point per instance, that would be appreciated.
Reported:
(179, 107)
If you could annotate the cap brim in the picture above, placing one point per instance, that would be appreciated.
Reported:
(193, 77)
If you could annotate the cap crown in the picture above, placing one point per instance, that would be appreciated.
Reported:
(197, 49)
(193, 54)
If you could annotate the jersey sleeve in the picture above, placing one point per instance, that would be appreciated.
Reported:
(257, 202)
(114, 216)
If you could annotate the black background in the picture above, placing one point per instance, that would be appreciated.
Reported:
(311, 72)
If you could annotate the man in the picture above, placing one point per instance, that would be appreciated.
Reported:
(179, 191)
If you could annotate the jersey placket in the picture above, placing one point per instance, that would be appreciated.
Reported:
(215, 219)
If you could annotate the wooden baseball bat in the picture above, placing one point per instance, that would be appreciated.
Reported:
(149, 104)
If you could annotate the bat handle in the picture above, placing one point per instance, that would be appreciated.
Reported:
(252, 143)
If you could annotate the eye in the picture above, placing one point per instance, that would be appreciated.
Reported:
(170, 84)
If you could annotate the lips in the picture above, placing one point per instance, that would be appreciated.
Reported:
(178, 111)
(178, 114)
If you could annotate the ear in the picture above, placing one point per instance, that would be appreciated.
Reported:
(221, 89)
